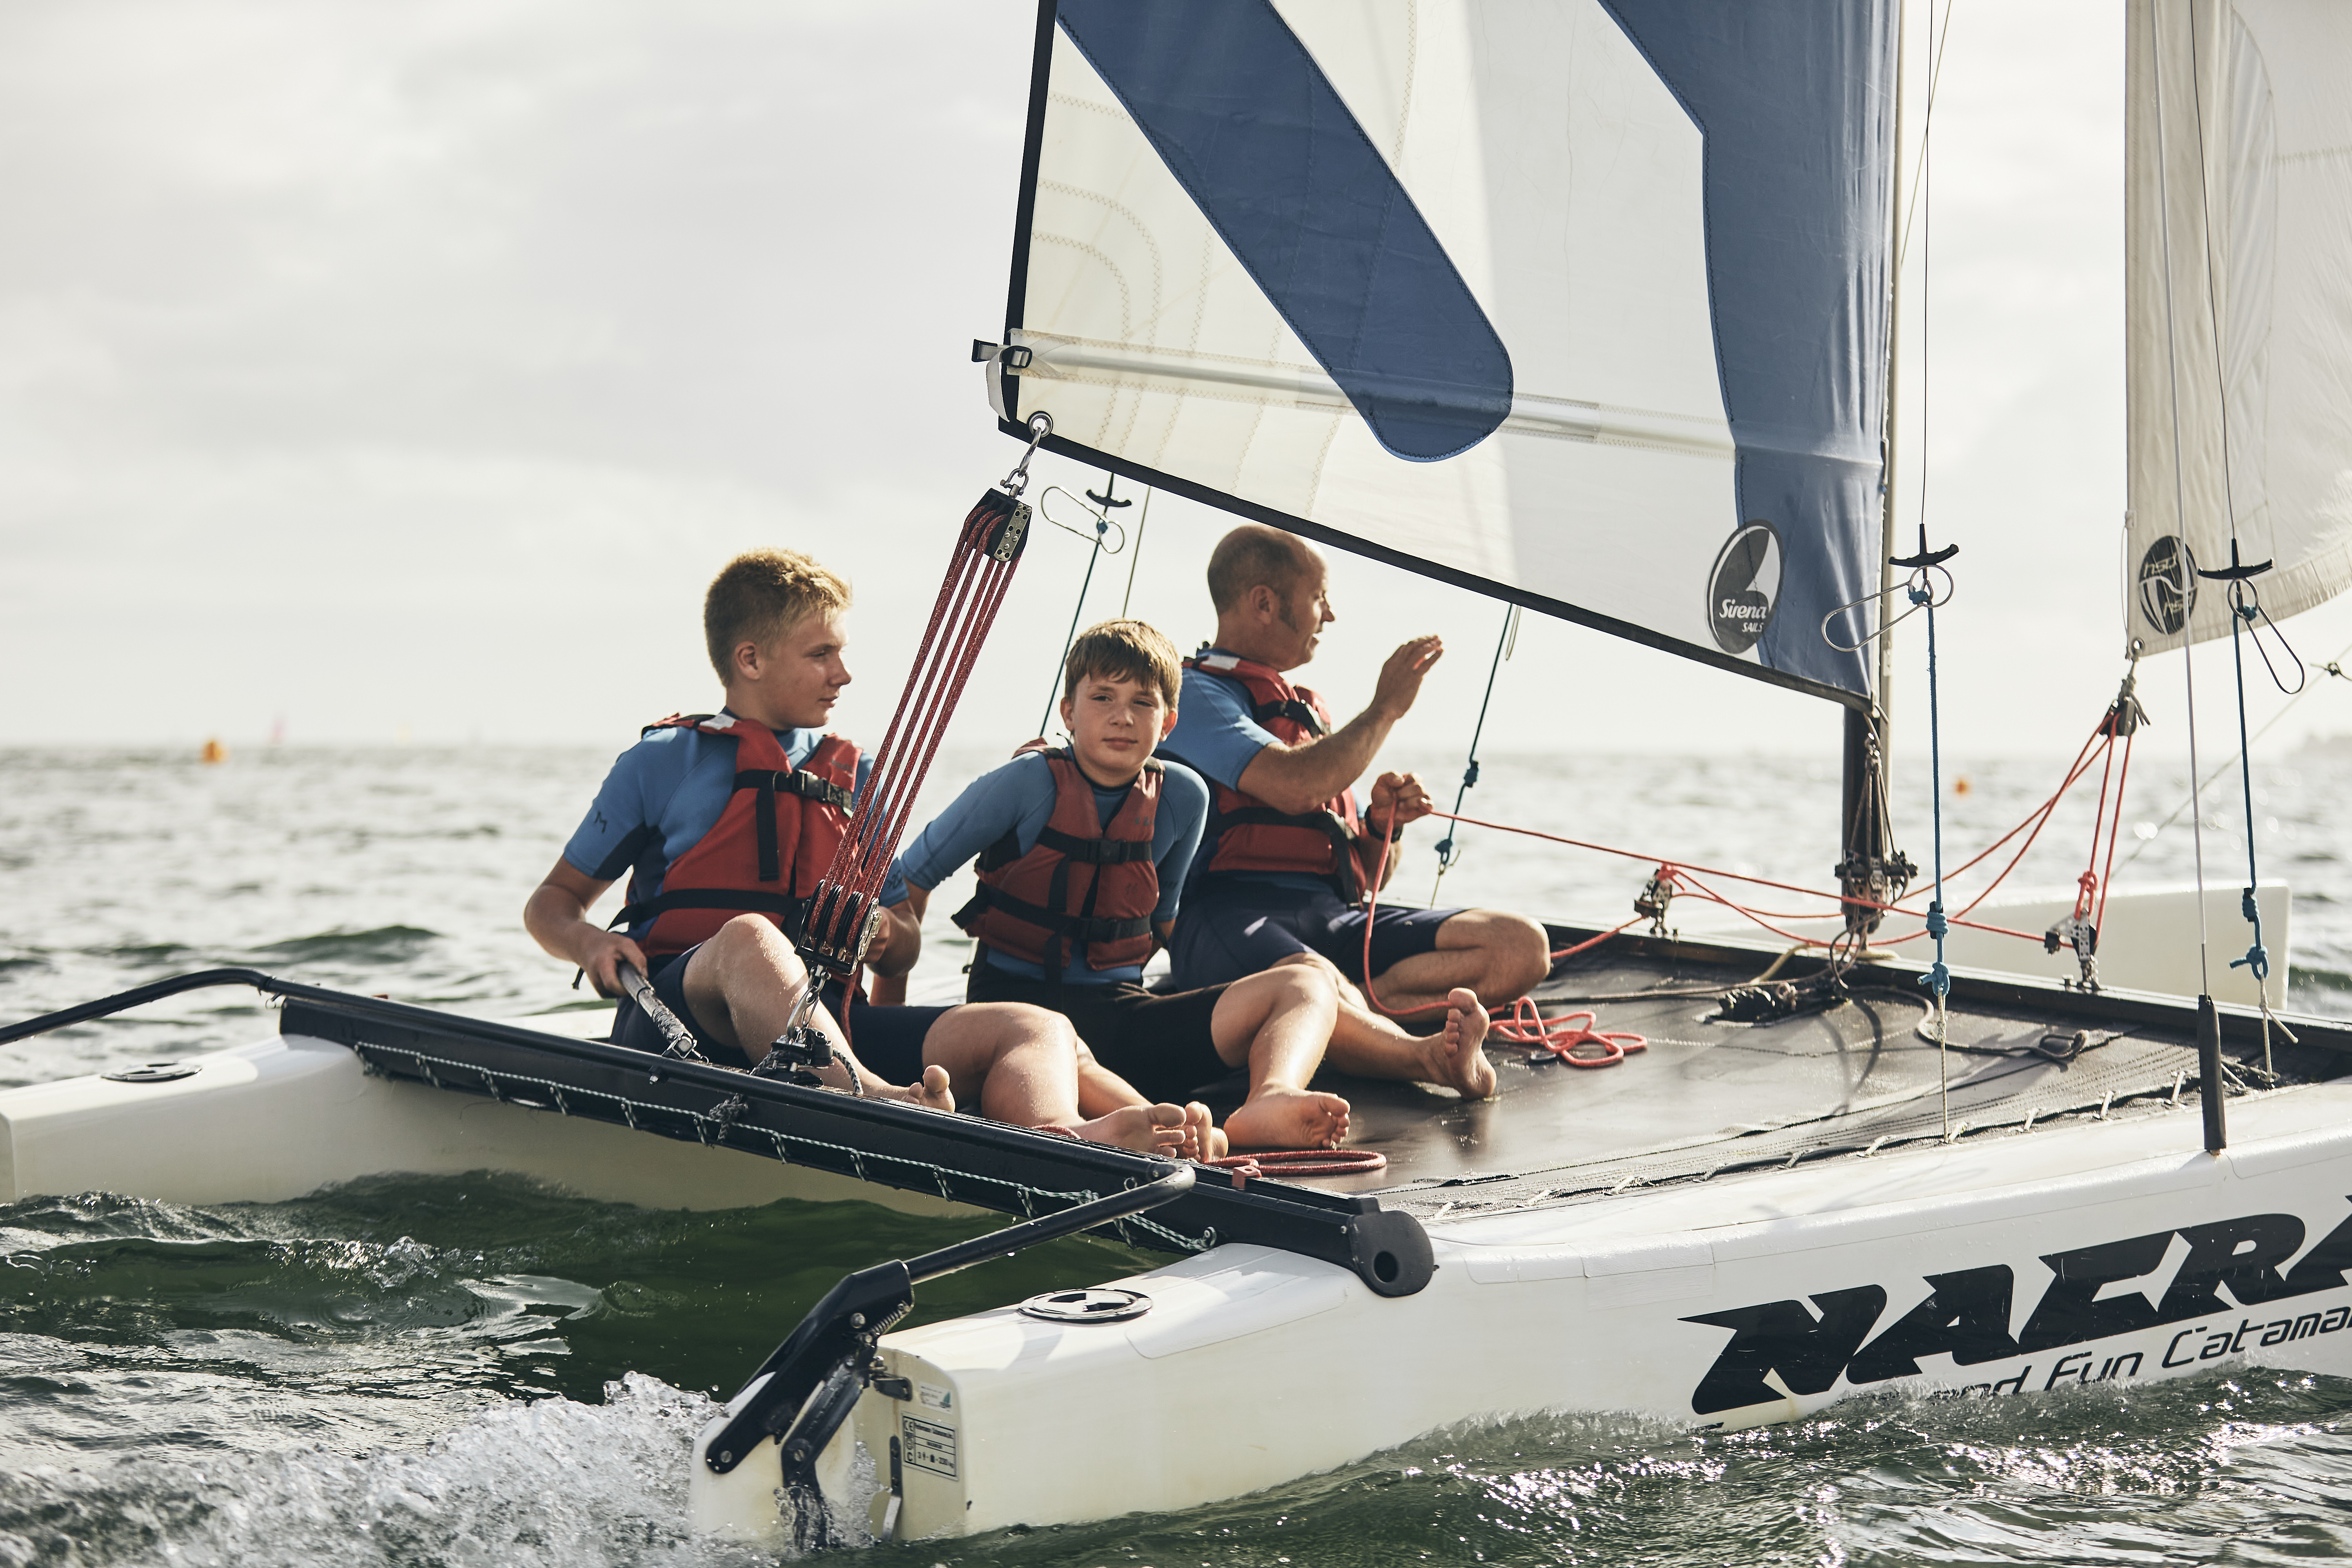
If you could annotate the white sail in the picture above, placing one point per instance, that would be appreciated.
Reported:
(1550, 297)
(2238, 220)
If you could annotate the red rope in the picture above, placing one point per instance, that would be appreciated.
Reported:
(1525, 1025)
(1567, 1034)
(1684, 869)
(1301, 1163)
(2107, 877)
(970, 593)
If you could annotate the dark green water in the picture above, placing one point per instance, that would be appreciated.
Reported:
(441, 1371)
(460, 1372)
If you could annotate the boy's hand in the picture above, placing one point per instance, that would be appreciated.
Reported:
(897, 940)
(600, 955)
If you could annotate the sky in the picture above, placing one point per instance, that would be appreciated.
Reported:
(402, 373)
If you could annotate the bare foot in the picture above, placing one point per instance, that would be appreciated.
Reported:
(1279, 1117)
(1151, 1129)
(1207, 1140)
(933, 1091)
(1456, 1055)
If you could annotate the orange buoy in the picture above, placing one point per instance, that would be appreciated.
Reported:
(215, 752)
(1960, 785)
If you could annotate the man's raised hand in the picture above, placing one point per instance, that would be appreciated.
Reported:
(1401, 677)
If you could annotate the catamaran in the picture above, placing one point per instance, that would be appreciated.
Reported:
(1586, 305)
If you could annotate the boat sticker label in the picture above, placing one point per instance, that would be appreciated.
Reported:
(1966, 1314)
(2161, 599)
(930, 1447)
(932, 1394)
(1743, 587)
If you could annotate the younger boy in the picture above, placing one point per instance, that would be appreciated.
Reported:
(725, 822)
(1082, 853)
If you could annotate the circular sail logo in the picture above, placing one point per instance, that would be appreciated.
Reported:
(1744, 587)
(2161, 578)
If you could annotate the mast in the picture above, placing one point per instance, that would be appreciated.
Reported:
(1864, 830)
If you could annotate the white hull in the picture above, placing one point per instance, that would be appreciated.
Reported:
(1256, 1367)
(283, 1118)
(1741, 1299)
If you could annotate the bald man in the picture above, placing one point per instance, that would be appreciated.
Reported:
(1286, 855)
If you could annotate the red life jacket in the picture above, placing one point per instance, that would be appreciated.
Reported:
(764, 854)
(1246, 833)
(1085, 882)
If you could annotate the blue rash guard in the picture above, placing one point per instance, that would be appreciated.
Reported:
(663, 795)
(1018, 798)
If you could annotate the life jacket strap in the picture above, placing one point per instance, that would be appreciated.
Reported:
(1346, 876)
(800, 781)
(1095, 851)
(1082, 927)
(789, 910)
(1294, 709)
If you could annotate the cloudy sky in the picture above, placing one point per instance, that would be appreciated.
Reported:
(382, 370)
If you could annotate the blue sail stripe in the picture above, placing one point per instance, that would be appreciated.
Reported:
(1254, 131)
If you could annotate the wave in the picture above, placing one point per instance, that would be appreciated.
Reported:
(551, 1482)
(379, 944)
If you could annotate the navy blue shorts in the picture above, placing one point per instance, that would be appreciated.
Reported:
(888, 1041)
(1229, 927)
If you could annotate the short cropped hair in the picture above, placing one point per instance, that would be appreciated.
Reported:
(763, 595)
(1249, 555)
(1123, 650)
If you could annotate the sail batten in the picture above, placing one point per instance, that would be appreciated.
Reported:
(1578, 302)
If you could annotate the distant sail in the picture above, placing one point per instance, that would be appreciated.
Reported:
(2239, 213)
(1581, 302)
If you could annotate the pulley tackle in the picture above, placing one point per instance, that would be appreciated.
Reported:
(844, 911)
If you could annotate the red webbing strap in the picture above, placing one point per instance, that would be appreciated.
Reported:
(979, 575)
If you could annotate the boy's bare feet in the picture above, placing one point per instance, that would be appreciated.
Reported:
(1456, 1054)
(933, 1091)
(1147, 1129)
(1279, 1117)
(1204, 1140)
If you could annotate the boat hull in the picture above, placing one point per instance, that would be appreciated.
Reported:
(282, 1118)
(2101, 1251)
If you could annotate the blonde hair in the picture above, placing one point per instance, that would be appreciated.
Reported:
(763, 595)
(1123, 650)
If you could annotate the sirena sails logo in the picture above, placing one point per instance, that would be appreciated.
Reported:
(2162, 601)
(1744, 587)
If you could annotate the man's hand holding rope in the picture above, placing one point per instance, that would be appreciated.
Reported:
(1397, 799)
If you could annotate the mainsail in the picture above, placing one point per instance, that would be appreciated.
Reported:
(2239, 295)
(1579, 302)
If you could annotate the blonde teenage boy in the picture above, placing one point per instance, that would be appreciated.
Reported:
(723, 823)
(1082, 854)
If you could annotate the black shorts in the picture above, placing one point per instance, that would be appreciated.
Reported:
(888, 1041)
(1229, 927)
(1160, 1042)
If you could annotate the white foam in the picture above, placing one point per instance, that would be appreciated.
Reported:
(552, 1482)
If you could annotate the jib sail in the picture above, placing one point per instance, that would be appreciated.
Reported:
(1581, 302)
(2238, 294)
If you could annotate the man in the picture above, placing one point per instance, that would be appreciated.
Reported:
(1082, 853)
(1286, 854)
(726, 821)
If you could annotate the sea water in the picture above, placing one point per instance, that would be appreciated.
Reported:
(434, 1371)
